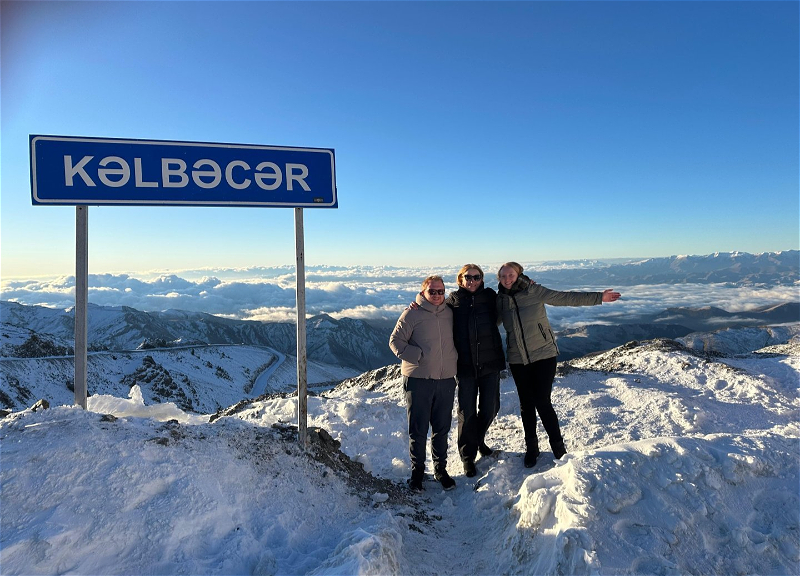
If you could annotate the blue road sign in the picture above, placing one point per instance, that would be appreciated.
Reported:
(72, 170)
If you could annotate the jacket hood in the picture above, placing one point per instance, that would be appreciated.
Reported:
(423, 303)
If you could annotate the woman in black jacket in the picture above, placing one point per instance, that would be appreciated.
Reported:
(480, 360)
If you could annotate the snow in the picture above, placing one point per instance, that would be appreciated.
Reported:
(210, 377)
(678, 463)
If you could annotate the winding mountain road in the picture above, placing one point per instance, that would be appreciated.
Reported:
(260, 385)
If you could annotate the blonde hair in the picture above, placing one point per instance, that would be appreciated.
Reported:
(464, 269)
(517, 268)
(429, 279)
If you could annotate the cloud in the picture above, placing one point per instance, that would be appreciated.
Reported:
(274, 314)
(389, 312)
(268, 294)
(649, 299)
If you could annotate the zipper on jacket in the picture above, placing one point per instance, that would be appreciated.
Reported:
(441, 347)
(474, 322)
(552, 338)
(521, 329)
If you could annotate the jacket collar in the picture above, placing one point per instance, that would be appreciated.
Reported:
(522, 283)
(426, 305)
(463, 292)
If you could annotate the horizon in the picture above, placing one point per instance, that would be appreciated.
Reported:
(539, 265)
(268, 294)
(533, 131)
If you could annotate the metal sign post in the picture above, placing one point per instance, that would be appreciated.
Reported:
(86, 171)
(81, 302)
(302, 395)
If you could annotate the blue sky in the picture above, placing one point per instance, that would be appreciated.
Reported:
(475, 131)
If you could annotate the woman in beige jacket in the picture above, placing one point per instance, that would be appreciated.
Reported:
(423, 340)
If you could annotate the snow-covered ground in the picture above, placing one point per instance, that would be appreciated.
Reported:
(678, 464)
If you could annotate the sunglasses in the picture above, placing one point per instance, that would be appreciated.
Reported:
(469, 277)
(435, 292)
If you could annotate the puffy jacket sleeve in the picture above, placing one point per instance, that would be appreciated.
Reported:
(400, 340)
(557, 298)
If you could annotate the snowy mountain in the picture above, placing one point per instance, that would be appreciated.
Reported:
(199, 379)
(576, 342)
(772, 268)
(679, 462)
(174, 363)
(740, 340)
(711, 317)
(351, 343)
(680, 323)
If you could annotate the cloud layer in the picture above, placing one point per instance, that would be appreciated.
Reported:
(370, 293)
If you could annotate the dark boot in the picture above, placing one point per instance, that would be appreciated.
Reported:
(532, 452)
(443, 477)
(469, 468)
(415, 482)
(484, 449)
(558, 449)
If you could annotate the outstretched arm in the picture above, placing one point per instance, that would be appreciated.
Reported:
(610, 296)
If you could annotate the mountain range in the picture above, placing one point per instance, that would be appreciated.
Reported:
(674, 323)
(346, 342)
(771, 268)
(202, 362)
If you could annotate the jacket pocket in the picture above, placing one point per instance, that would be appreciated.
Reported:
(544, 334)
(554, 342)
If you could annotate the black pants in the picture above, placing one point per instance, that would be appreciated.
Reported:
(478, 404)
(534, 386)
(429, 404)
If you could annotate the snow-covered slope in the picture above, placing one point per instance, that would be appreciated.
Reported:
(197, 379)
(679, 463)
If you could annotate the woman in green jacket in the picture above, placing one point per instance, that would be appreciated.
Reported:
(532, 350)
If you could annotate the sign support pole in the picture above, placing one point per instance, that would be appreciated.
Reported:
(302, 399)
(81, 301)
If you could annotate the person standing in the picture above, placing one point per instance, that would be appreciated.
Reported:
(532, 350)
(480, 360)
(423, 340)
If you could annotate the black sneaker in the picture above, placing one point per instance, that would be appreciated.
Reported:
(415, 484)
(485, 450)
(530, 458)
(469, 468)
(443, 477)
